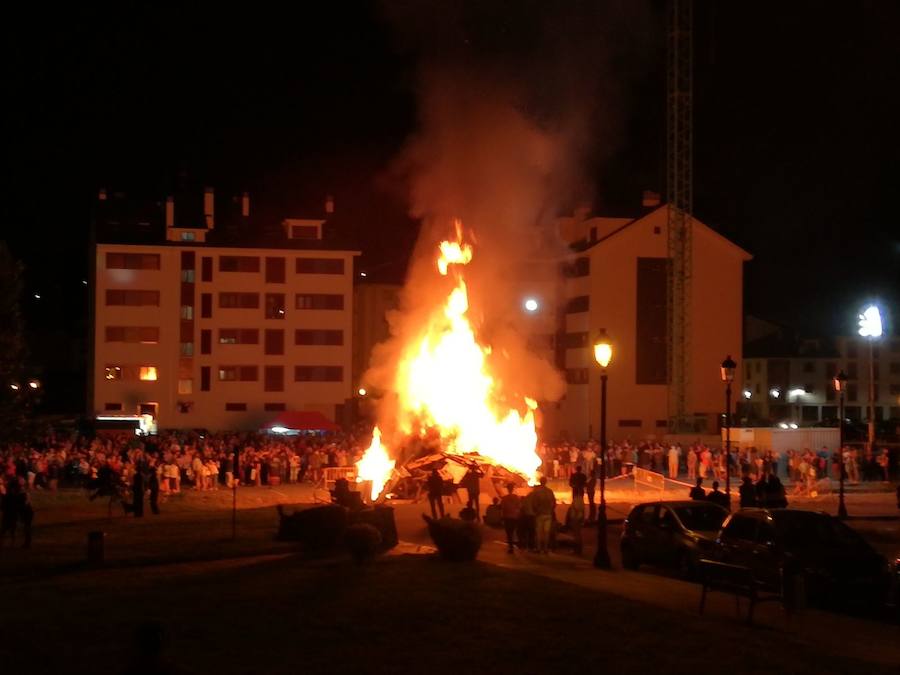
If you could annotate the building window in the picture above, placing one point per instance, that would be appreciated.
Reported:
(239, 300)
(188, 236)
(110, 407)
(275, 305)
(113, 372)
(132, 261)
(275, 271)
(185, 406)
(319, 336)
(238, 336)
(235, 407)
(629, 423)
(204, 378)
(852, 373)
(320, 266)
(575, 340)
(206, 305)
(238, 373)
(319, 301)
(580, 267)
(148, 374)
(830, 370)
(851, 350)
(895, 368)
(809, 367)
(147, 335)
(318, 373)
(187, 276)
(187, 348)
(238, 263)
(662, 424)
(894, 389)
(187, 312)
(132, 298)
(186, 386)
(188, 260)
(205, 341)
(206, 269)
(577, 375)
(652, 325)
(852, 391)
(304, 232)
(580, 303)
(274, 407)
(273, 378)
(274, 344)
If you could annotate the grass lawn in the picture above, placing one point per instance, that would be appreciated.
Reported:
(403, 614)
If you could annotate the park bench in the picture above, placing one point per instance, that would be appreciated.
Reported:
(737, 580)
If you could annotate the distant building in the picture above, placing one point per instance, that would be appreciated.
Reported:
(617, 280)
(371, 303)
(205, 319)
(791, 381)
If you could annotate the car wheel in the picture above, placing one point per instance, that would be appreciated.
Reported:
(629, 557)
(686, 566)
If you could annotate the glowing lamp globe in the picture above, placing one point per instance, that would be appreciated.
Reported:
(870, 322)
(603, 350)
(727, 369)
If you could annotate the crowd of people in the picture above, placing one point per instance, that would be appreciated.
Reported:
(701, 461)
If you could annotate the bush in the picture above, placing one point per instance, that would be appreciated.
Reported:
(363, 541)
(318, 530)
(456, 540)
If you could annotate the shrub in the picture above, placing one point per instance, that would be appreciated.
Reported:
(363, 541)
(319, 529)
(456, 540)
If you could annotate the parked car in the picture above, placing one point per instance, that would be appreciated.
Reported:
(805, 552)
(671, 534)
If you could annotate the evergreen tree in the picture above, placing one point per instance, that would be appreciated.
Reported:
(14, 394)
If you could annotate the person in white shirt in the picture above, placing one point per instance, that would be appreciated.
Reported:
(674, 459)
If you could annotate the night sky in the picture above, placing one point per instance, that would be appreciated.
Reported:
(796, 136)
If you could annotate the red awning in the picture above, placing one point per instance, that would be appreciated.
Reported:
(301, 420)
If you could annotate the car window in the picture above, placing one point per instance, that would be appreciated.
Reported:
(765, 533)
(799, 528)
(646, 516)
(740, 528)
(701, 516)
(667, 520)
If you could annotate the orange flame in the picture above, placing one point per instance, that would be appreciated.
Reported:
(444, 381)
(375, 465)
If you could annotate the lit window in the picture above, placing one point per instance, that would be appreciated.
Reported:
(113, 373)
(187, 312)
(148, 373)
(187, 236)
(185, 386)
(187, 276)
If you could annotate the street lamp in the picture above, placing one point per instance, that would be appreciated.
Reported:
(603, 352)
(870, 326)
(727, 371)
(840, 384)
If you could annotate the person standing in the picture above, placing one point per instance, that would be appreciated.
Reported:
(511, 510)
(674, 460)
(471, 482)
(717, 497)
(691, 464)
(697, 492)
(9, 503)
(154, 490)
(748, 492)
(577, 482)
(435, 487)
(137, 493)
(544, 506)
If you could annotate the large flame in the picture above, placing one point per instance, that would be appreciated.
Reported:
(443, 381)
(375, 465)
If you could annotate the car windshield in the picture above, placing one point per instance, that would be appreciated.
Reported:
(817, 530)
(701, 517)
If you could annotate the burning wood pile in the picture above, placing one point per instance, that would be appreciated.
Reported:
(443, 388)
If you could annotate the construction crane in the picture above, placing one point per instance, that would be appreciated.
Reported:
(679, 195)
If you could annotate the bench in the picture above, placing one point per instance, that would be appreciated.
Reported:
(737, 580)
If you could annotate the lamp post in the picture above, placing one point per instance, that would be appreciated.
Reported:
(727, 371)
(603, 355)
(840, 384)
(870, 326)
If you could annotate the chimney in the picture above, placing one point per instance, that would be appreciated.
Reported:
(209, 209)
(170, 211)
(650, 199)
(245, 205)
(329, 204)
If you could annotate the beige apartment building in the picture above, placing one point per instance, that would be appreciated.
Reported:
(210, 331)
(617, 281)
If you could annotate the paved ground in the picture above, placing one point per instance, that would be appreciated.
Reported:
(195, 528)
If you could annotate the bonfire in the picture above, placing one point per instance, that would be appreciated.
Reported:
(443, 382)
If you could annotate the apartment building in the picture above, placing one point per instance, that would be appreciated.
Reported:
(218, 325)
(617, 280)
(791, 381)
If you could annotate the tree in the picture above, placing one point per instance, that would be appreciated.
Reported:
(14, 394)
